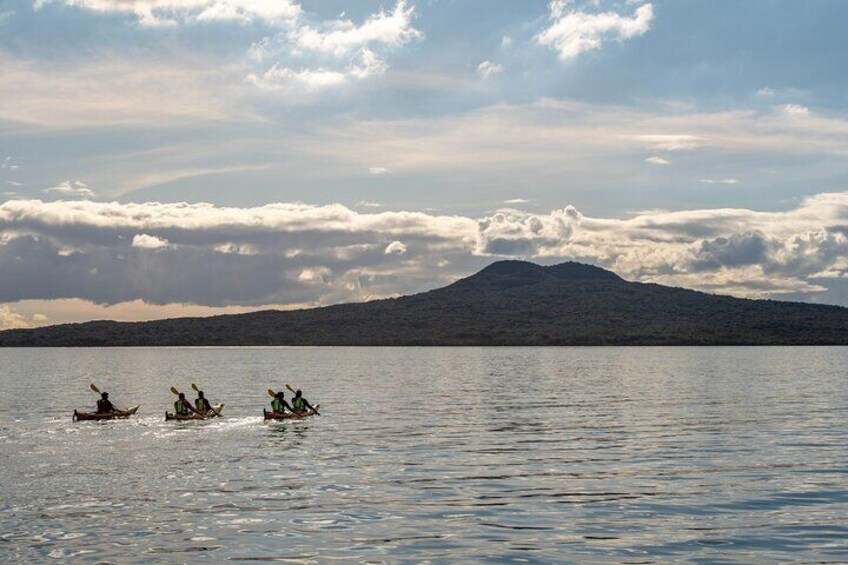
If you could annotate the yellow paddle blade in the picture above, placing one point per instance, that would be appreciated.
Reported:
(94, 388)
(271, 392)
(194, 386)
(175, 391)
(290, 388)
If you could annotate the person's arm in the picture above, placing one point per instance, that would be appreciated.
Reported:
(314, 411)
(286, 405)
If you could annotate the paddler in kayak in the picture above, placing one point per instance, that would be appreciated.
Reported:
(300, 404)
(279, 404)
(183, 407)
(104, 405)
(202, 405)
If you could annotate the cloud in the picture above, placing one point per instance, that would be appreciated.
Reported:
(173, 12)
(671, 142)
(11, 319)
(720, 181)
(516, 201)
(128, 92)
(144, 241)
(337, 52)
(368, 204)
(308, 79)
(796, 110)
(487, 69)
(378, 171)
(71, 189)
(573, 32)
(342, 37)
(295, 253)
(655, 160)
(395, 248)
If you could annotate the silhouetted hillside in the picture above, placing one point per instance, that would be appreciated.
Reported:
(507, 303)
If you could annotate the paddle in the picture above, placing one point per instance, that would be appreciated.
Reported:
(271, 393)
(216, 412)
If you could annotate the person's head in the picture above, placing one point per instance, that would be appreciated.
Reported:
(280, 395)
(104, 395)
(182, 396)
(200, 394)
(298, 393)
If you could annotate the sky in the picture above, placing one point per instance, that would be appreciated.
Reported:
(193, 157)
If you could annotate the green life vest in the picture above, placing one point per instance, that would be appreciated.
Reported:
(277, 406)
(299, 404)
(179, 408)
(202, 405)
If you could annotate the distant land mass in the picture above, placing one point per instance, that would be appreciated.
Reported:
(507, 303)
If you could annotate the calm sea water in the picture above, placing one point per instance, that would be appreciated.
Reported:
(536, 455)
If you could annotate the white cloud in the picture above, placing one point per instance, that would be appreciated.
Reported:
(309, 79)
(377, 171)
(671, 142)
(11, 319)
(506, 41)
(144, 241)
(312, 80)
(655, 160)
(342, 37)
(171, 12)
(487, 69)
(71, 189)
(337, 52)
(573, 32)
(796, 110)
(516, 201)
(765, 92)
(720, 181)
(368, 204)
(395, 248)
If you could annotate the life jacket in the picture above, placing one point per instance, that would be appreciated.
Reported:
(201, 404)
(277, 406)
(298, 403)
(180, 408)
(104, 406)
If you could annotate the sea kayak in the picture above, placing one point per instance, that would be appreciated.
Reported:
(215, 407)
(287, 415)
(105, 416)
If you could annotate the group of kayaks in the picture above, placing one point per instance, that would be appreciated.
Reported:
(212, 411)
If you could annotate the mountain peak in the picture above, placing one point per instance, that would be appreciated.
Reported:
(514, 273)
(574, 271)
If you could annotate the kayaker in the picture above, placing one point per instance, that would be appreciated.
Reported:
(279, 404)
(182, 407)
(300, 404)
(104, 405)
(201, 404)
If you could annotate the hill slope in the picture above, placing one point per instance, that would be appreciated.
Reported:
(507, 303)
